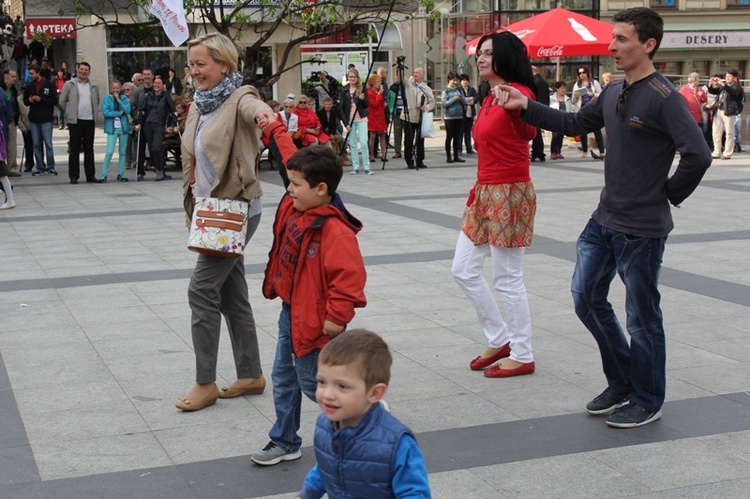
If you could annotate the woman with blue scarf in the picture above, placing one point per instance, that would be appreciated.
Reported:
(220, 146)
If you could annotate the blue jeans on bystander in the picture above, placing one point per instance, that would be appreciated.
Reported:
(41, 135)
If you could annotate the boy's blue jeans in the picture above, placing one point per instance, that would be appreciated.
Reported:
(601, 252)
(291, 378)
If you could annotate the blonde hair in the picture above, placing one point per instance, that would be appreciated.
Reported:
(220, 48)
(606, 75)
(358, 85)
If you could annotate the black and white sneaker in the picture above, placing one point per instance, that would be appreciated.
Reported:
(609, 400)
(632, 416)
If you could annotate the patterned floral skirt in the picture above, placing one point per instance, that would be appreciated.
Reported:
(501, 215)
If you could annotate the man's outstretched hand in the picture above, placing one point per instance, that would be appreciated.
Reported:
(509, 97)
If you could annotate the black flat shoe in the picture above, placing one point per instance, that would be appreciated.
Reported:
(120, 178)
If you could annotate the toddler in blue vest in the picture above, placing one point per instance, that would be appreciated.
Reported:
(362, 450)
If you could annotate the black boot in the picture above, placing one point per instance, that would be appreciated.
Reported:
(457, 159)
(449, 160)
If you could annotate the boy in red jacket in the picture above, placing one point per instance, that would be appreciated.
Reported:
(316, 268)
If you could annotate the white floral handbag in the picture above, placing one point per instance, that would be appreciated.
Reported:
(218, 227)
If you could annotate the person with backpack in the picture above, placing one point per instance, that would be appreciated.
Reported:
(728, 106)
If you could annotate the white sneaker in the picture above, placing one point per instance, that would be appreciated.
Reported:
(369, 172)
(7, 206)
(354, 172)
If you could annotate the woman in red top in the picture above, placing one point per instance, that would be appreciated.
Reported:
(60, 79)
(376, 125)
(309, 122)
(499, 217)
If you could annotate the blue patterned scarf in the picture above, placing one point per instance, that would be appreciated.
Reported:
(207, 101)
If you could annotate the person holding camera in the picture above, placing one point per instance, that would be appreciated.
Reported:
(728, 106)
(329, 87)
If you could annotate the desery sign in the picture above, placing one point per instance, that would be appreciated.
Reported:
(59, 27)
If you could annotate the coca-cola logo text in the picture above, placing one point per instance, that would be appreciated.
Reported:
(554, 51)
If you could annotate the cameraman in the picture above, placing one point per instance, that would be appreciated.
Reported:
(728, 106)
(329, 87)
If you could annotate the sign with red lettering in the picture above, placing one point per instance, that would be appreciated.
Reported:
(60, 27)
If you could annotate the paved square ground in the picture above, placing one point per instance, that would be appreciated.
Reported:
(95, 344)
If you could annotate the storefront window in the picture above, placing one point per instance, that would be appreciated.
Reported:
(738, 4)
(618, 5)
(663, 4)
(510, 5)
(133, 48)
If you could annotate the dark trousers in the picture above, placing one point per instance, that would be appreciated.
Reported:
(537, 145)
(410, 129)
(453, 132)
(557, 142)
(28, 151)
(599, 141)
(153, 135)
(468, 125)
(81, 132)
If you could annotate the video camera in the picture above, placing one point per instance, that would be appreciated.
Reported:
(314, 76)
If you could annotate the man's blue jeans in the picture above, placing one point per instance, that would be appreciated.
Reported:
(41, 135)
(640, 364)
(292, 376)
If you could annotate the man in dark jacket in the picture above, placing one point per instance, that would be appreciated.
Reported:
(542, 96)
(41, 97)
(156, 115)
(728, 106)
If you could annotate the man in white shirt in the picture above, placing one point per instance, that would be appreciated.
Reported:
(80, 100)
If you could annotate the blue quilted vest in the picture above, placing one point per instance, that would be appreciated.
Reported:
(357, 462)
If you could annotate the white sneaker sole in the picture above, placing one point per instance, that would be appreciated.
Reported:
(285, 457)
(654, 417)
(608, 410)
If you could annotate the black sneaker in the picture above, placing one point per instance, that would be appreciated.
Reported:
(609, 400)
(52, 172)
(632, 416)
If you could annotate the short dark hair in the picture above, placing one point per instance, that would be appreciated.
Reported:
(158, 77)
(733, 72)
(647, 23)
(560, 83)
(464, 76)
(84, 63)
(452, 75)
(364, 350)
(34, 67)
(317, 164)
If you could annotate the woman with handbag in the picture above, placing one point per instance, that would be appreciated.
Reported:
(498, 220)
(354, 104)
(219, 151)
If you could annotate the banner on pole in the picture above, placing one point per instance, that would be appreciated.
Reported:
(171, 13)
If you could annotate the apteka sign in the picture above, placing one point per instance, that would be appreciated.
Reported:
(60, 27)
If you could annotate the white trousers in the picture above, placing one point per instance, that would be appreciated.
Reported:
(723, 123)
(507, 280)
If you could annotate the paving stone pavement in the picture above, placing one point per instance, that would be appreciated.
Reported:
(95, 344)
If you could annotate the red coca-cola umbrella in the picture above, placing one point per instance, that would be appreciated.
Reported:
(558, 33)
